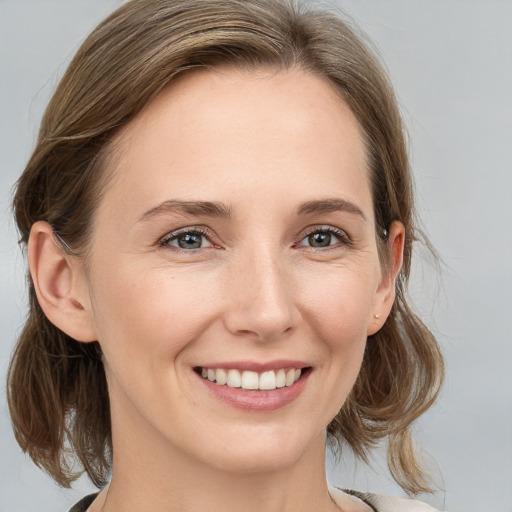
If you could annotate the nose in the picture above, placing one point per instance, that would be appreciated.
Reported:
(262, 295)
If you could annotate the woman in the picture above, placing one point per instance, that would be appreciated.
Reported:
(219, 221)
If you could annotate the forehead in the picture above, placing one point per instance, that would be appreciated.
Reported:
(241, 129)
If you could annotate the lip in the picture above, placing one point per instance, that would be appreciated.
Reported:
(257, 401)
(254, 366)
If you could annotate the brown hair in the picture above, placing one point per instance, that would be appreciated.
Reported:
(57, 390)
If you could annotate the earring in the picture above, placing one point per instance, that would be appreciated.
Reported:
(377, 316)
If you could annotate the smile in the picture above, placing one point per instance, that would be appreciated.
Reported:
(251, 380)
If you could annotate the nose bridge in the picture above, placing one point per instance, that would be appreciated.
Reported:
(263, 293)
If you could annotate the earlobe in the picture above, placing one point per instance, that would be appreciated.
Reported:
(59, 284)
(385, 295)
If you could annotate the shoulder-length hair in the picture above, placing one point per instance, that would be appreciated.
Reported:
(57, 391)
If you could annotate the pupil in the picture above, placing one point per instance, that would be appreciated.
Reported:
(189, 241)
(320, 239)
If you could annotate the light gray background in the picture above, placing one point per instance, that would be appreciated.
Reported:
(451, 63)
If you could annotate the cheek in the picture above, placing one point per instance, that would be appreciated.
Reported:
(339, 302)
(339, 313)
(147, 318)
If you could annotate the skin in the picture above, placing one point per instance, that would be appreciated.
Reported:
(262, 143)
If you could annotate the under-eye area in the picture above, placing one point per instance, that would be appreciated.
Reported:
(229, 198)
(251, 380)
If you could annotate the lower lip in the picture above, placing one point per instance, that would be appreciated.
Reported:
(252, 400)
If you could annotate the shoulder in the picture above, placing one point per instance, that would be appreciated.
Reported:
(391, 504)
(83, 504)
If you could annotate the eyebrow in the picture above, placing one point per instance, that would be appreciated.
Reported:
(221, 210)
(329, 205)
(206, 208)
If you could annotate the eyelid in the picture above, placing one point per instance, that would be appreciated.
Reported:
(202, 230)
(341, 234)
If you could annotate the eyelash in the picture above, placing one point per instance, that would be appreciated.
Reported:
(342, 236)
(344, 239)
(165, 242)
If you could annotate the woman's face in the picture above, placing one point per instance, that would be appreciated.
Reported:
(236, 241)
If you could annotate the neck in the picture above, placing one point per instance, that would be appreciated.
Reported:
(155, 479)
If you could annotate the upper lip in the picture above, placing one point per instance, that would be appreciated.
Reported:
(255, 366)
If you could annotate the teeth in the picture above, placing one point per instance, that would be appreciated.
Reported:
(268, 380)
(280, 379)
(234, 379)
(221, 376)
(250, 380)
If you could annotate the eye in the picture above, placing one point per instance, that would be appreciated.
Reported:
(187, 239)
(324, 237)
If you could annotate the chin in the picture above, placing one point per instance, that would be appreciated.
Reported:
(264, 453)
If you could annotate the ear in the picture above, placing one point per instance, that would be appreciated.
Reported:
(60, 284)
(385, 294)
